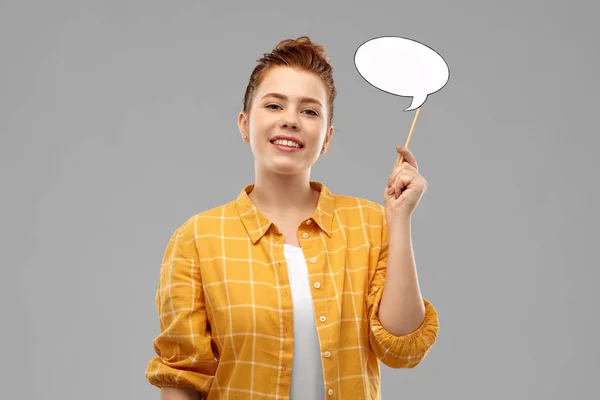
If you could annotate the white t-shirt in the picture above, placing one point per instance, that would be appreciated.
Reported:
(307, 368)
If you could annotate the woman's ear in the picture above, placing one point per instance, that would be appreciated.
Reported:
(327, 140)
(243, 125)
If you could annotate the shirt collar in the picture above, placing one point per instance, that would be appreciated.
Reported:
(257, 224)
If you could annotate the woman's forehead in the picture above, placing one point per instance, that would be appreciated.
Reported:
(293, 83)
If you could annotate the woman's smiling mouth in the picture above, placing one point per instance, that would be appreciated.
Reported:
(286, 145)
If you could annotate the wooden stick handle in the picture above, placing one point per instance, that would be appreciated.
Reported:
(412, 128)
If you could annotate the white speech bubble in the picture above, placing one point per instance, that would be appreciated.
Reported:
(402, 67)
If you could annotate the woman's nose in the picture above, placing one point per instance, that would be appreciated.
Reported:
(289, 120)
(288, 124)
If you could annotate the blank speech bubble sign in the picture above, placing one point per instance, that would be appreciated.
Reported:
(402, 67)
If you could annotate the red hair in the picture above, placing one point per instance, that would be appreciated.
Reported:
(300, 53)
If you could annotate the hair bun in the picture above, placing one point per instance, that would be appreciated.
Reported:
(303, 42)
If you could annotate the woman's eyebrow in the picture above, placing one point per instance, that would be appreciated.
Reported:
(302, 99)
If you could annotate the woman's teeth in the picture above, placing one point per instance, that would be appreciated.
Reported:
(287, 143)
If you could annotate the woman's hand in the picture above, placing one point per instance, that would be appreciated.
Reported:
(404, 189)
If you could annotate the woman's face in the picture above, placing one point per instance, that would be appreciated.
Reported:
(292, 103)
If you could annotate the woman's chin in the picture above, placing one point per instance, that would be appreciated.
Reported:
(286, 169)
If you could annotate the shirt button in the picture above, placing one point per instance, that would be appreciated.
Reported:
(322, 318)
(327, 354)
(317, 285)
(330, 392)
(305, 235)
(309, 222)
(313, 260)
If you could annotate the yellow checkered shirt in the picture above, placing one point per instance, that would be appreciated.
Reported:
(225, 307)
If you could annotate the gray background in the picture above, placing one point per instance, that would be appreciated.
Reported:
(118, 122)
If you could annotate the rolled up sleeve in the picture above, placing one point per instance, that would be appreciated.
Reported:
(184, 358)
(406, 351)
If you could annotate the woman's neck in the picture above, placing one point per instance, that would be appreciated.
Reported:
(284, 195)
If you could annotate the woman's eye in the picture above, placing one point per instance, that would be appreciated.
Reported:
(275, 106)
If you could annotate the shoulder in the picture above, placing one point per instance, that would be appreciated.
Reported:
(353, 204)
(359, 209)
(207, 220)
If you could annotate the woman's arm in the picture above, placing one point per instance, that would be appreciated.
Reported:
(184, 356)
(168, 393)
(394, 349)
(402, 309)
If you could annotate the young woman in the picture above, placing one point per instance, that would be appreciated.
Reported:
(291, 291)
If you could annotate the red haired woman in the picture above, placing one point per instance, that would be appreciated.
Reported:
(291, 291)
